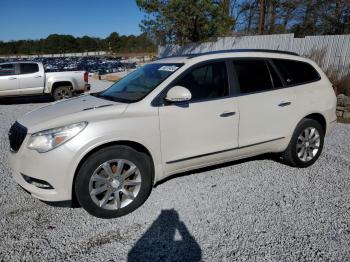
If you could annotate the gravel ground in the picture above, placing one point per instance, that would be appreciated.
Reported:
(256, 209)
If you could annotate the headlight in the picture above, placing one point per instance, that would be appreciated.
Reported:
(47, 140)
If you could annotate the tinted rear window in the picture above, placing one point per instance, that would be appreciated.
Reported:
(253, 76)
(296, 72)
(29, 68)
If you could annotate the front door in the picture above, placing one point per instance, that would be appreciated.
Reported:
(207, 125)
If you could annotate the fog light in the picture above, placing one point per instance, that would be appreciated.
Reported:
(37, 182)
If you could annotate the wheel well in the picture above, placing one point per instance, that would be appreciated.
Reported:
(137, 146)
(319, 118)
(61, 83)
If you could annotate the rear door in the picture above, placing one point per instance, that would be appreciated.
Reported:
(31, 77)
(266, 107)
(8, 78)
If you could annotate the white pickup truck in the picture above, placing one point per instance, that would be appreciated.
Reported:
(30, 78)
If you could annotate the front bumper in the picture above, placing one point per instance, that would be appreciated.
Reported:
(52, 167)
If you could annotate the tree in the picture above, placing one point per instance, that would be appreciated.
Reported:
(184, 21)
(59, 44)
(262, 17)
(113, 42)
(248, 15)
(88, 44)
(302, 17)
(336, 18)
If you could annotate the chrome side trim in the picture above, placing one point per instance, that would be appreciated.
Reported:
(221, 151)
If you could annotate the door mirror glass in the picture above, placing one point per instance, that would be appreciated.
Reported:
(178, 94)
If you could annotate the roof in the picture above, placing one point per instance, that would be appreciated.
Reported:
(172, 59)
(182, 58)
(242, 51)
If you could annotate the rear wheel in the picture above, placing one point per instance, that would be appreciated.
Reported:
(62, 92)
(306, 144)
(114, 181)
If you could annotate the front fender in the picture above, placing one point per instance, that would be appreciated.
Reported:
(91, 142)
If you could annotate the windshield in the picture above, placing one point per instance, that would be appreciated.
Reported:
(139, 83)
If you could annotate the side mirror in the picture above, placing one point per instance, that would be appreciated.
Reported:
(178, 94)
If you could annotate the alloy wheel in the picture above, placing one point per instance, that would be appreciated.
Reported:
(115, 184)
(308, 144)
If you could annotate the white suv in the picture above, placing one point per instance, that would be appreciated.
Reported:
(108, 149)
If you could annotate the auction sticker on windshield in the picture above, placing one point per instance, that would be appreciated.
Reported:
(168, 68)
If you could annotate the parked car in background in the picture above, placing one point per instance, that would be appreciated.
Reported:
(30, 78)
(175, 114)
(92, 64)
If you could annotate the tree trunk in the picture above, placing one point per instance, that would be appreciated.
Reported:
(249, 24)
(273, 17)
(262, 17)
(226, 6)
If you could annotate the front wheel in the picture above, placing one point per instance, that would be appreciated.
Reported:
(114, 181)
(306, 144)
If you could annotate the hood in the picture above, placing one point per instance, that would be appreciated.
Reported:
(68, 111)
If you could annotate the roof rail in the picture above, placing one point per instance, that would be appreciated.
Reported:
(239, 51)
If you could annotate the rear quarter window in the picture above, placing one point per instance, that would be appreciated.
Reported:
(296, 72)
(29, 68)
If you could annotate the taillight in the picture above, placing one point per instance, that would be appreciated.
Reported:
(86, 77)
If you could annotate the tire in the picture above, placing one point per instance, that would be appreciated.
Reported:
(92, 177)
(62, 92)
(294, 154)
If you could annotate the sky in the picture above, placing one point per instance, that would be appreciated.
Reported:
(35, 19)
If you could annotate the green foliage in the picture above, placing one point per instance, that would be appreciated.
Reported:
(301, 17)
(59, 44)
(184, 21)
(187, 21)
(129, 44)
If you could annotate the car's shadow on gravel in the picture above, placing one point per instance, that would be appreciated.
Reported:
(167, 239)
(273, 157)
(25, 100)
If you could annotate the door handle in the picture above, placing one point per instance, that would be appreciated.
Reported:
(283, 104)
(12, 78)
(37, 76)
(227, 114)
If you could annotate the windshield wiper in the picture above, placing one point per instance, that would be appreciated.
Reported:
(107, 97)
(114, 99)
(96, 94)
